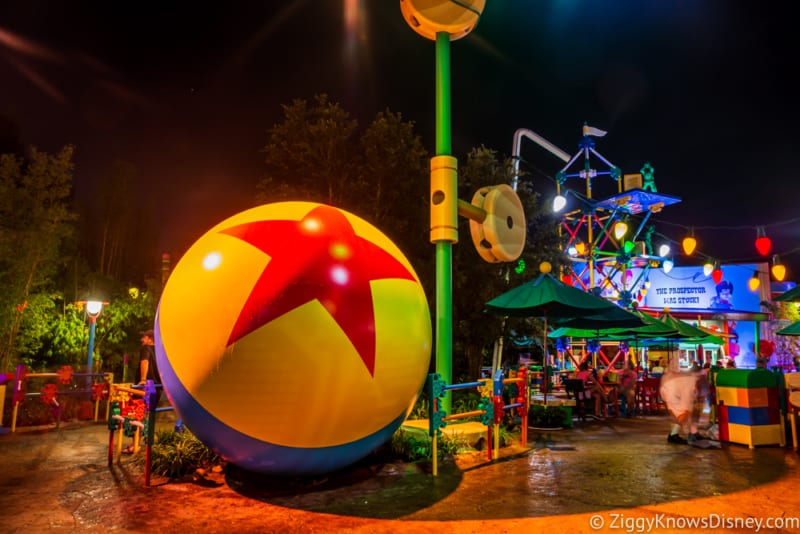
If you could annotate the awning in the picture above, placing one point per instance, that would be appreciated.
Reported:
(713, 315)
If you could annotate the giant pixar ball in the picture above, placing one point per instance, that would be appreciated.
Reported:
(293, 338)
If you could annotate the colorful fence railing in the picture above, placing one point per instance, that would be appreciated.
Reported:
(491, 408)
(61, 383)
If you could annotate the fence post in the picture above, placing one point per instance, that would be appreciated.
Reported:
(3, 430)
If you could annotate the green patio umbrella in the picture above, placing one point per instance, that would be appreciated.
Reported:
(648, 327)
(685, 332)
(688, 332)
(612, 318)
(791, 330)
(547, 297)
(581, 333)
(652, 328)
(793, 295)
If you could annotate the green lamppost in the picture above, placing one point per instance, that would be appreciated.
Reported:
(443, 21)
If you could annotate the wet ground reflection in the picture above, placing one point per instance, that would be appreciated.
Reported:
(595, 466)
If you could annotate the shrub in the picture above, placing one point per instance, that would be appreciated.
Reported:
(175, 454)
(414, 446)
(546, 416)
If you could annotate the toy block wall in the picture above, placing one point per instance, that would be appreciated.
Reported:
(748, 410)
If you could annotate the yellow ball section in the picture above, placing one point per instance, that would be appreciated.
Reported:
(545, 267)
(429, 17)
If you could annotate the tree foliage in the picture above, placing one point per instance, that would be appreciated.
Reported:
(42, 322)
(381, 173)
(115, 225)
(309, 155)
(35, 217)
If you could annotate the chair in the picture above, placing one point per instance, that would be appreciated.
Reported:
(648, 397)
(793, 402)
(613, 400)
(575, 390)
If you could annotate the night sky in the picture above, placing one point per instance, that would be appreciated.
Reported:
(704, 91)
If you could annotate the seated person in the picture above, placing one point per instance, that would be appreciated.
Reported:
(627, 387)
(592, 387)
(658, 368)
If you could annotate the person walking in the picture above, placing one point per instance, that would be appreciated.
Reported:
(146, 369)
(679, 391)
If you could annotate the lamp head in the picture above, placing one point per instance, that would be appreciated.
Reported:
(429, 17)
(94, 307)
(559, 202)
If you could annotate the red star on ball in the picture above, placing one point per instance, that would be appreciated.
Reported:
(319, 257)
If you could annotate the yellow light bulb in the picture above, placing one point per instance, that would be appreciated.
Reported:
(778, 269)
(619, 229)
(689, 244)
(753, 283)
(779, 272)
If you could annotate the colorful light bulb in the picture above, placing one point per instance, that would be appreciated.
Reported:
(716, 275)
(689, 244)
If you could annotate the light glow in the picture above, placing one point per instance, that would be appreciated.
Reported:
(212, 261)
(559, 202)
(94, 307)
(753, 283)
(716, 275)
(689, 244)
(778, 269)
(763, 245)
(620, 229)
(341, 251)
(340, 275)
(311, 225)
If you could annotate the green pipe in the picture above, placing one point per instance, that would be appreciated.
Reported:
(443, 124)
(444, 249)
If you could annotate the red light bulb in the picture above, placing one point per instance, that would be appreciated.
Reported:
(763, 245)
(716, 275)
